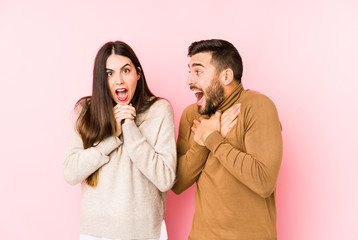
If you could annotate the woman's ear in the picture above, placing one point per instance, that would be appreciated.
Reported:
(227, 76)
(139, 73)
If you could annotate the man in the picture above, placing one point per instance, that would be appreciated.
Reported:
(235, 163)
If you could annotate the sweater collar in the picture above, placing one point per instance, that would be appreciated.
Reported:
(231, 99)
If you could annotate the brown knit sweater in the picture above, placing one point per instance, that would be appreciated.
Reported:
(235, 176)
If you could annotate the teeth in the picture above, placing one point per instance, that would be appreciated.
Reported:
(195, 92)
(121, 90)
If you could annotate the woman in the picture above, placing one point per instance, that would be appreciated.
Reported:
(122, 151)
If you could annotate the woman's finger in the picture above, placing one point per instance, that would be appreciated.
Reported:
(122, 116)
(125, 108)
(125, 111)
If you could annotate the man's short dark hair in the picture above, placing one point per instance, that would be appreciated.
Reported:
(224, 55)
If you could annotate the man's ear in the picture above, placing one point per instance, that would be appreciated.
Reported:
(227, 76)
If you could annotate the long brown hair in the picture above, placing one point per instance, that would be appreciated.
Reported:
(96, 120)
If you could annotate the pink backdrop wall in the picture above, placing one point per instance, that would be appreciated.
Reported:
(302, 54)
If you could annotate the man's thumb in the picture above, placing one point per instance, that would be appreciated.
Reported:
(218, 114)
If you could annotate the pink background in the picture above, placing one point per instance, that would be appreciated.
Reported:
(302, 54)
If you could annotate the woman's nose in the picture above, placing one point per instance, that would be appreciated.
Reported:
(119, 79)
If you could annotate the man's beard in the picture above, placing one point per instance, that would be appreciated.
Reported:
(213, 97)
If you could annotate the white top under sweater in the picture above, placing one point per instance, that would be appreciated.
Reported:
(137, 170)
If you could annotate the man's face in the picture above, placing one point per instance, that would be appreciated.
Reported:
(204, 81)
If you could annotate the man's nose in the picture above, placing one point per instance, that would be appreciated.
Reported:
(190, 80)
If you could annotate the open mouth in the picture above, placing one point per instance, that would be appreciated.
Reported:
(122, 94)
(199, 96)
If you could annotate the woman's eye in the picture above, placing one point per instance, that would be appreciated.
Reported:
(198, 72)
(126, 70)
(109, 73)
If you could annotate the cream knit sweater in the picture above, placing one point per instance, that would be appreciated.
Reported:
(137, 170)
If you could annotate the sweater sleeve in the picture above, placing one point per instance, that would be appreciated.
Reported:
(258, 166)
(156, 161)
(79, 163)
(191, 156)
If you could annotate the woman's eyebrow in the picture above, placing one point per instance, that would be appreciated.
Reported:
(125, 65)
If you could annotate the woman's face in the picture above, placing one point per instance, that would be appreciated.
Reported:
(122, 78)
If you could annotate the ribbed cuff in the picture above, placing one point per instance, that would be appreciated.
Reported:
(213, 141)
(198, 148)
(128, 125)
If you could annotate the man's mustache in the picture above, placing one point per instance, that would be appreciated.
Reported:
(195, 88)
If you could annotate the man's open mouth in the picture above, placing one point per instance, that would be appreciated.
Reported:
(199, 96)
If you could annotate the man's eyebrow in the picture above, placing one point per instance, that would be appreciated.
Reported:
(196, 65)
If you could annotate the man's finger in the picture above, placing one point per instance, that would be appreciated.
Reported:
(232, 124)
(232, 114)
(218, 114)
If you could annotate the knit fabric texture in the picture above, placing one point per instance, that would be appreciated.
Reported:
(235, 176)
(136, 171)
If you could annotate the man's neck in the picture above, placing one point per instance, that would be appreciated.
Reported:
(230, 88)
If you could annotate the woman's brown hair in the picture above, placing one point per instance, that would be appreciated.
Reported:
(96, 120)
